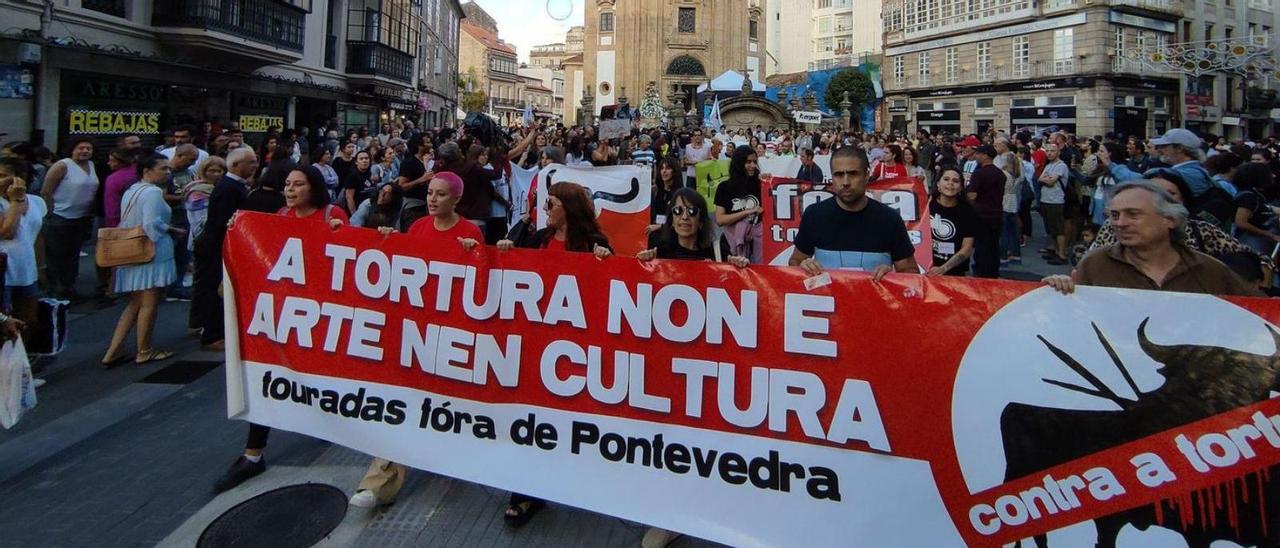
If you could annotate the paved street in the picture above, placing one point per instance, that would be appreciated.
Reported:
(126, 458)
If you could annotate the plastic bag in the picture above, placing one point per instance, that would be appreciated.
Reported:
(17, 386)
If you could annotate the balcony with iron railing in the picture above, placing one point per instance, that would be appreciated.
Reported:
(269, 30)
(376, 60)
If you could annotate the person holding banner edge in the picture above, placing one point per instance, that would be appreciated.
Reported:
(306, 197)
(384, 478)
(571, 226)
(851, 230)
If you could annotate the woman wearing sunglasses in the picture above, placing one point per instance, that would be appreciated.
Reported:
(571, 226)
(687, 233)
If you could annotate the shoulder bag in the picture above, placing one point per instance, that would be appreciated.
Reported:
(124, 246)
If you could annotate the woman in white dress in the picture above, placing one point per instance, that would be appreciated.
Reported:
(143, 205)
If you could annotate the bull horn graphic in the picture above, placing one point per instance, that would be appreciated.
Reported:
(619, 198)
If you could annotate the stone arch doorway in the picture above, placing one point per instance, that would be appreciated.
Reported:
(686, 73)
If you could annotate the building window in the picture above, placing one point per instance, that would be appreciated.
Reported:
(391, 23)
(1208, 32)
(1062, 101)
(753, 29)
(984, 103)
(685, 65)
(984, 61)
(1120, 62)
(1028, 102)
(687, 21)
(1064, 51)
(951, 65)
(109, 7)
(899, 70)
(1021, 57)
(606, 21)
(1140, 43)
(924, 68)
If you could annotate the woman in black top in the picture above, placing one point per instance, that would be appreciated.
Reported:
(954, 222)
(1254, 218)
(738, 205)
(687, 233)
(344, 161)
(666, 181)
(358, 185)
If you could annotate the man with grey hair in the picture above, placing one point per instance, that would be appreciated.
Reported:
(1151, 252)
(643, 155)
(1179, 148)
(227, 198)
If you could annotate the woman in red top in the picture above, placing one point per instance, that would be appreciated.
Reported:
(442, 222)
(307, 197)
(891, 166)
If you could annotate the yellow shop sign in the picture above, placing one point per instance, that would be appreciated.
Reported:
(106, 122)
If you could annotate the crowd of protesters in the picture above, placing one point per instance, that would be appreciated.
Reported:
(452, 186)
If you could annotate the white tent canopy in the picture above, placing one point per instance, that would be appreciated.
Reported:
(731, 81)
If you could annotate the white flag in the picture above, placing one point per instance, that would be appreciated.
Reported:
(713, 121)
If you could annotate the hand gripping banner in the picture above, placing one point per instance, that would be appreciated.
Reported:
(737, 406)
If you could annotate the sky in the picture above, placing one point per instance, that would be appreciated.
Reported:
(528, 23)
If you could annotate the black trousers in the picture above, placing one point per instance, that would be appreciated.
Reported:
(986, 251)
(257, 437)
(206, 305)
(63, 239)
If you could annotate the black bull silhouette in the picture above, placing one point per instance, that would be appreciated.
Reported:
(1200, 381)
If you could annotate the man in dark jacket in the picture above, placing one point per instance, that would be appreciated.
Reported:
(227, 198)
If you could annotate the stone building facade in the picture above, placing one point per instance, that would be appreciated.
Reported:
(1019, 64)
(684, 43)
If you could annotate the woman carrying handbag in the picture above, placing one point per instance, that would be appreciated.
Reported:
(142, 274)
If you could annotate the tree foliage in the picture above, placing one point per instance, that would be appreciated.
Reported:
(473, 101)
(857, 83)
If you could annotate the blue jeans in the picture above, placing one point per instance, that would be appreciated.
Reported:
(1010, 241)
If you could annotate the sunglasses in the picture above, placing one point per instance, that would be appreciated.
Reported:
(679, 211)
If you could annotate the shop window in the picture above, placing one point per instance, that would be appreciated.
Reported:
(1062, 100)
(986, 102)
(950, 106)
(1028, 102)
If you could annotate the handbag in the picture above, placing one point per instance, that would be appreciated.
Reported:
(124, 246)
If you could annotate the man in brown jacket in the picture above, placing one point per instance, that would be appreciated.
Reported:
(1150, 253)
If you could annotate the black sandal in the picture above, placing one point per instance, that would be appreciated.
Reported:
(525, 510)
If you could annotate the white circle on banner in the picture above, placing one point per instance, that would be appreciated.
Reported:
(1008, 364)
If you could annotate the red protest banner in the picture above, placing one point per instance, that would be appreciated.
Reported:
(910, 412)
(786, 199)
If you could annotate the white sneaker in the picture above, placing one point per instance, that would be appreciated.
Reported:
(658, 538)
(364, 499)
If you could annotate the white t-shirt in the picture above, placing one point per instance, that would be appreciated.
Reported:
(22, 248)
(696, 155)
(73, 199)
